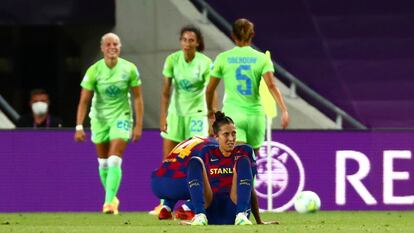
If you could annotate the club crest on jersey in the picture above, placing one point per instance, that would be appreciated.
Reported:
(124, 77)
(285, 174)
(112, 91)
(185, 85)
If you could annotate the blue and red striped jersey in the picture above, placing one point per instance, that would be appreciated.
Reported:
(220, 168)
(175, 165)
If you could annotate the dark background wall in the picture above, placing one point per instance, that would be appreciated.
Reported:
(44, 44)
(358, 54)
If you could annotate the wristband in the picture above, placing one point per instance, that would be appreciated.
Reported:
(79, 127)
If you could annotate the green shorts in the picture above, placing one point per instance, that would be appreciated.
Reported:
(105, 131)
(250, 129)
(180, 128)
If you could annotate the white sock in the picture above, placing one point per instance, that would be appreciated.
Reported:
(103, 163)
(114, 161)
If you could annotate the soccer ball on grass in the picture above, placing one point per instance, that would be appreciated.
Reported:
(307, 202)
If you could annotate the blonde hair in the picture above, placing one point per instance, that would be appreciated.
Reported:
(243, 30)
(110, 35)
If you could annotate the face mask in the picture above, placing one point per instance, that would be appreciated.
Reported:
(39, 108)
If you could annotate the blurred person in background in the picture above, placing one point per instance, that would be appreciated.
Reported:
(186, 72)
(40, 116)
(242, 69)
(184, 112)
(109, 81)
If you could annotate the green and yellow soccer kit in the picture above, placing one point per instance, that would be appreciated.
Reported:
(187, 110)
(111, 112)
(242, 68)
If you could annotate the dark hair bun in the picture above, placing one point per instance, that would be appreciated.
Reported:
(221, 119)
(219, 115)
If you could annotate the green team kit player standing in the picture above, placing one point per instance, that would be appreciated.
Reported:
(184, 112)
(108, 81)
(242, 68)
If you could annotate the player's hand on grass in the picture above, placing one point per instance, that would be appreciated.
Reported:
(136, 134)
(80, 136)
(269, 223)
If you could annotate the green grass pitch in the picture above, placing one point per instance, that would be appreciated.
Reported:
(137, 222)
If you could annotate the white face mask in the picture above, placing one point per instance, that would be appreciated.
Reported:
(39, 108)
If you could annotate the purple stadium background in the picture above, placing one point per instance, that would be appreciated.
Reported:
(48, 171)
(357, 54)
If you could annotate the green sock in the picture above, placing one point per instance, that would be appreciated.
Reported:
(103, 173)
(113, 181)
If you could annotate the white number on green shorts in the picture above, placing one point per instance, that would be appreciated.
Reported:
(125, 125)
(196, 126)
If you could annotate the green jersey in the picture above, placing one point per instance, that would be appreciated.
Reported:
(242, 68)
(111, 89)
(189, 80)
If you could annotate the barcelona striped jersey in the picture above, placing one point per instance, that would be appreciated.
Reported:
(175, 165)
(220, 168)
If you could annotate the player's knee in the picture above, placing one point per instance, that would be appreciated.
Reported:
(196, 166)
(243, 163)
